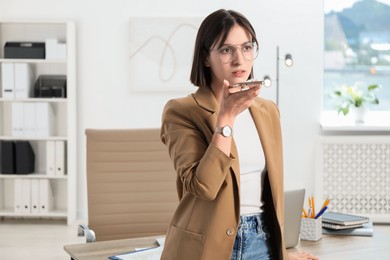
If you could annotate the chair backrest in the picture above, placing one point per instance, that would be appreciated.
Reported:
(131, 183)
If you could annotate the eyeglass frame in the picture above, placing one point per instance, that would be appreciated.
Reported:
(231, 46)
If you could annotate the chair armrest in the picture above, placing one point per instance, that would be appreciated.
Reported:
(83, 230)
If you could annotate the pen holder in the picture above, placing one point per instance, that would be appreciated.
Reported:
(311, 229)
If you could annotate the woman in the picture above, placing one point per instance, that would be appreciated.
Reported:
(230, 189)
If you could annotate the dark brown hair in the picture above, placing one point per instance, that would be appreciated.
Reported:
(215, 27)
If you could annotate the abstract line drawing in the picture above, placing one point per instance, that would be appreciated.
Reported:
(161, 52)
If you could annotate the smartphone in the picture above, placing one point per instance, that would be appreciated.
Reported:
(245, 85)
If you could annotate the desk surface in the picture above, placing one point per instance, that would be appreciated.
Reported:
(327, 248)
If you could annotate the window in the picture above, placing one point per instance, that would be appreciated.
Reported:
(357, 48)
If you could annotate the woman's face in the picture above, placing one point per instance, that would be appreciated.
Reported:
(228, 62)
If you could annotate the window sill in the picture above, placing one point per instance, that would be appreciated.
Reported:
(376, 121)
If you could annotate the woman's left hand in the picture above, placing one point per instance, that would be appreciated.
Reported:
(301, 255)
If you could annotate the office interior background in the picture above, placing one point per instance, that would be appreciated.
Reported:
(108, 98)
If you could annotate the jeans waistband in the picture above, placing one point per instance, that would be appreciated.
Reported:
(251, 221)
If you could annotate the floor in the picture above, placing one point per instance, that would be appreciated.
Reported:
(36, 239)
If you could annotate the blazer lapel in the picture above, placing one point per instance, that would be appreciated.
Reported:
(265, 129)
(263, 125)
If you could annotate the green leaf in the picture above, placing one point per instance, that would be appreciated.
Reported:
(373, 87)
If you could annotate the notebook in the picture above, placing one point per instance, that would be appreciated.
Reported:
(293, 204)
(365, 230)
(339, 227)
(343, 219)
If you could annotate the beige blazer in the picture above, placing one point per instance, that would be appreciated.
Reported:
(206, 220)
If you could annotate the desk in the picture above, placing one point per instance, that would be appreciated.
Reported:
(327, 248)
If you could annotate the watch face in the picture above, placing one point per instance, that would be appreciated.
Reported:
(226, 131)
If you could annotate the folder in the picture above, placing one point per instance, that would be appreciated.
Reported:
(18, 190)
(7, 154)
(17, 119)
(45, 196)
(34, 196)
(23, 80)
(50, 158)
(60, 158)
(26, 191)
(7, 80)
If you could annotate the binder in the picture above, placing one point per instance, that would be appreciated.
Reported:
(7, 80)
(7, 153)
(24, 157)
(32, 119)
(34, 196)
(17, 119)
(23, 80)
(43, 119)
(18, 190)
(26, 201)
(29, 119)
(50, 158)
(60, 158)
(45, 196)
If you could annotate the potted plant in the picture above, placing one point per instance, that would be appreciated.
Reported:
(355, 97)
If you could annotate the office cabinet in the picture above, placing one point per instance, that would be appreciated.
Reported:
(48, 124)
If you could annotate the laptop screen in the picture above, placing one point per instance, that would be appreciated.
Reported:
(293, 204)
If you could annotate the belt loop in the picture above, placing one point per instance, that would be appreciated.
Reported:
(258, 224)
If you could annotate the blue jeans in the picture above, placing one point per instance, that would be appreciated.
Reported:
(252, 239)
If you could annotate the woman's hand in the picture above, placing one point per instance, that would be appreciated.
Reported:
(301, 255)
(234, 100)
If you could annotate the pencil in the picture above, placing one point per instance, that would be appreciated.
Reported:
(326, 203)
(304, 213)
(313, 212)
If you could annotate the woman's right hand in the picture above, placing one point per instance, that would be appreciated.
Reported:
(234, 100)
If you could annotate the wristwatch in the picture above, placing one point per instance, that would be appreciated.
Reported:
(225, 131)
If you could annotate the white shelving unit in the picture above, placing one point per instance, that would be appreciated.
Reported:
(58, 190)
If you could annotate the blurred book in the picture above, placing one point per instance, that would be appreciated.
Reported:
(365, 230)
(338, 218)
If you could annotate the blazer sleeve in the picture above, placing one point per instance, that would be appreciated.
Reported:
(201, 166)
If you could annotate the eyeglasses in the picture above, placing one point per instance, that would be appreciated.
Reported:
(227, 53)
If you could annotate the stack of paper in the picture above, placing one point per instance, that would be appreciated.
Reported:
(153, 253)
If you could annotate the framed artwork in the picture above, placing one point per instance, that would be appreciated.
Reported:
(161, 53)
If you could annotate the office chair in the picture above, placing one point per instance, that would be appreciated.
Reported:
(130, 184)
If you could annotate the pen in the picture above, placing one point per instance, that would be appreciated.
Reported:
(321, 212)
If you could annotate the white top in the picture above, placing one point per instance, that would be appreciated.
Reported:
(252, 163)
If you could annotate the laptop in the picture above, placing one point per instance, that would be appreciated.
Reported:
(293, 204)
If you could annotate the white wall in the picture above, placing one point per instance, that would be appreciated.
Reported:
(106, 101)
